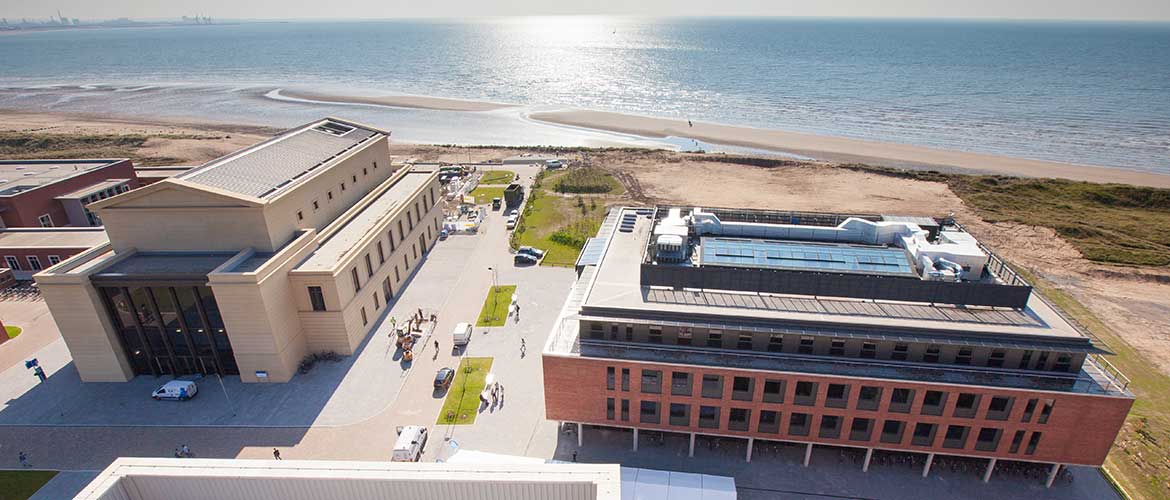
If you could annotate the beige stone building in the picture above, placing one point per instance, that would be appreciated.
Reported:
(247, 263)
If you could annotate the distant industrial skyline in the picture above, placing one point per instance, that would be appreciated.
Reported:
(1147, 10)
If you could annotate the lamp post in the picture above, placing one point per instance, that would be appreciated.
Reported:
(495, 292)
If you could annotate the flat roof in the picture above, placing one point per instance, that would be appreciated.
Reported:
(150, 266)
(803, 255)
(53, 237)
(357, 225)
(617, 287)
(266, 168)
(18, 176)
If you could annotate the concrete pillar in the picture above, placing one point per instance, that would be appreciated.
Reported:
(807, 454)
(635, 439)
(1052, 475)
(868, 456)
(691, 452)
(580, 434)
(749, 450)
(990, 469)
(926, 468)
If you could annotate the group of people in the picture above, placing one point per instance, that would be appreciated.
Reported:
(183, 452)
(497, 395)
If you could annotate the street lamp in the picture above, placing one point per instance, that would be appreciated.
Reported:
(495, 292)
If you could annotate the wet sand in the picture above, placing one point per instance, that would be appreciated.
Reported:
(844, 150)
(398, 101)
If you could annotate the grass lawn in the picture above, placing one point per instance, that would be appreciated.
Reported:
(1138, 459)
(484, 195)
(21, 484)
(497, 177)
(462, 403)
(495, 307)
(12, 331)
(548, 212)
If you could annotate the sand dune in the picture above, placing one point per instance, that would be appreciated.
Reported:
(400, 101)
(839, 149)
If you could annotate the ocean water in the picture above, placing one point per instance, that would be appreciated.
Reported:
(1090, 93)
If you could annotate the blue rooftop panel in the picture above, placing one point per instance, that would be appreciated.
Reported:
(805, 256)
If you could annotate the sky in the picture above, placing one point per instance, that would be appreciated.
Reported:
(1147, 10)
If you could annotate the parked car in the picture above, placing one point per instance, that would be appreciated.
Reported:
(412, 439)
(514, 213)
(443, 235)
(496, 202)
(553, 164)
(524, 259)
(444, 377)
(535, 252)
(462, 334)
(178, 390)
(511, 222)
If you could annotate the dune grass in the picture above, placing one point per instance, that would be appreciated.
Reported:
(495, 307)
(497, 177)
(22, 484)
(31, 146)
(462, 402)
(559, 224)
(12, 331)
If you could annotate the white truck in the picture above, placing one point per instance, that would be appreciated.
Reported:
(412, 439)
(462, 334)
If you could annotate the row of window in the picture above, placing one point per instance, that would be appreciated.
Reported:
(809, 345)
(34, 262)
(860, 429)
(329, 193)
(91, 217)
(836, 395)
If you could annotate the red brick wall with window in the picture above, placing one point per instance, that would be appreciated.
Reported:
(23, 210)
(1080, 429)
(42, 254)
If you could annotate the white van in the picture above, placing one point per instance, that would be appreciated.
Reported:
(462, 334)
(178, 390)
(412, 439)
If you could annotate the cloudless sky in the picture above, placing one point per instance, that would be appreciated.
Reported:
(1149, 10)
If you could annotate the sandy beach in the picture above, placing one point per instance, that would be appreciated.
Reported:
(398, 101)
(845, 150)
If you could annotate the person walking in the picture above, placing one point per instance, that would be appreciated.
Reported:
(276, 454)
(574, 456)
(24, 459)
(185, 451)
(436, 345)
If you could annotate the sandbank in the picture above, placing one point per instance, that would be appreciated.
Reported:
(398, 101)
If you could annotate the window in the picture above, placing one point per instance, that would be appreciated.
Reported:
(901, 400)
(744, 342)
(13, 263)
(386, 290)
(837, 396)
(769, 422)
(798, 424)
(365, 171)
(1046, 411)
(47, 221)
(343, 187)
(625, 410)
(401, 233)
(806, 345)
(988, 439)
(709, 417)
(933, 402)
(54, 260)
(655, 335)
(1000, 407)
(830, 427)
(377, 305)
(868, 350)
(381, 254)
(1041, 362)
(1029, 409)
(397, 277)
(414, 250)
(738, 419)
(316, 298)
(609, 408)
(390, 236)
(369, 267)
(300, 216)
(964, 356)
(775, 343)
(316, 206)
(1063, 363)
(1025, 360)
(892, 431)
(649, 412)
(742, 388)
(375, 165)
(651, 382)
(34, 262)
(329, 195)
(625, 379)
(806, 393)
(869, 397)
(680, 384)
(923, 434)
(837, 347)
(1032, 443)
(354, 178)
(712, 386)
(613, 332)
(966, 405)
(860, 429)
(629, 333)
(995, 360)
(685, 335)
(773, 391)
(956, 437)
(610, 377)
(1017, 440)
(931, 355)
(357, 284)
(364, 320)
(405, 262)
(715, 338)
(900, 352)
(680, 414)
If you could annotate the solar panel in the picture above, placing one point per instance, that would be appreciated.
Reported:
(799, 255)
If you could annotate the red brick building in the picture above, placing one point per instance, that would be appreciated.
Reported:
(29, 250)
(54, 193)
(871, 332)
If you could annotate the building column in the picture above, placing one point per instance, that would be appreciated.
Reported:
(580, 434)
(1052, 475)
(691, 452)
(990, 469)
(868, 456)
(751, 441)
(807, 454)
(926, 468)
(635, 439)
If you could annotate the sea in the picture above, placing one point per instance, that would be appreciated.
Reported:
(1079, 92)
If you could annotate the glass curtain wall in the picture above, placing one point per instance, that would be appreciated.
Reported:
(170, 330)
